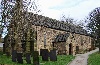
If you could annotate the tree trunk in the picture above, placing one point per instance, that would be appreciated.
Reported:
(99, 45)
(0, 38)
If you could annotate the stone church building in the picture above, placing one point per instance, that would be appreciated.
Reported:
(51, 34)
(66, 38)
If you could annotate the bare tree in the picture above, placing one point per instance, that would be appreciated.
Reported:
(68, 19)
(8, 8)
(12, 13)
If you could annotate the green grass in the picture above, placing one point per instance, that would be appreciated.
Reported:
(8, 61)
(94, 59)
(61, 60)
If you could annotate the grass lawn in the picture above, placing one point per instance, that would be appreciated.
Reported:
(61, 60)
(94, 59)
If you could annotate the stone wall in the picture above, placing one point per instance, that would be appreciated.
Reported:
(50, 35)
(84, 42)
(52, 28)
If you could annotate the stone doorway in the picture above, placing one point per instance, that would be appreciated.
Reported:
(77, 49)
(70, 49)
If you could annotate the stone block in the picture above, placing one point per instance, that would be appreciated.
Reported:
(53, 56)
(41, 52)
(45, 54)
(3, 48)
(14, 55)
(19, 58)
(35, 58)
(28, 58)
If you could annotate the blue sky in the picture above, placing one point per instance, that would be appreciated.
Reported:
(77, 9)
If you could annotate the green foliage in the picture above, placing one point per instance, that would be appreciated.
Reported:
(94, 22)
(94, 25)
(7, 60)
(94, 59)
(61, 60)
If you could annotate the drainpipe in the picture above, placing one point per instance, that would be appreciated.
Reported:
(44, 39)
(0, 34)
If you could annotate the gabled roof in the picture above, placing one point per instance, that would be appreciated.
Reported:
(39, 20)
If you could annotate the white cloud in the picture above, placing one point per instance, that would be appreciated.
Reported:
(77, 9)
(49, 3)
(82, 9)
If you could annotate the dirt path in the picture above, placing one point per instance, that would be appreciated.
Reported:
(81, 59)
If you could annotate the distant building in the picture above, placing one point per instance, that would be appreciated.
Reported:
(1, 44)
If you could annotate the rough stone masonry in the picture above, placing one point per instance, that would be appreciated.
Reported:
(66, 38)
